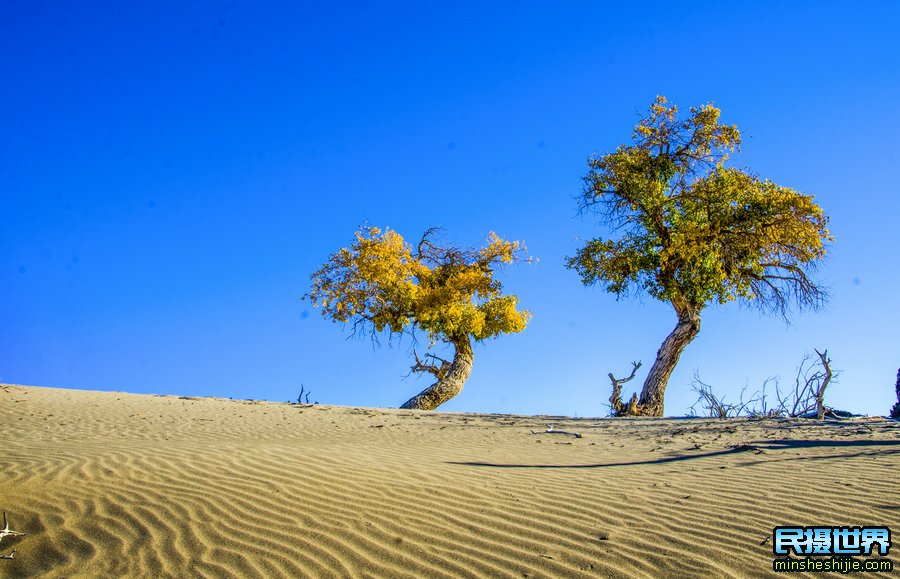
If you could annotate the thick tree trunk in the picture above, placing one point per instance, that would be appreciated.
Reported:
(651, 400)
(452, 382)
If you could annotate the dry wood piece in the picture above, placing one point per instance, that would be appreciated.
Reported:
(825, 379)
(619, 408)
(551, 430)
(6, 531)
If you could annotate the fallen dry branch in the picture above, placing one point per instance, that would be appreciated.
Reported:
(6, 531)
(551, 430)
(834, 414)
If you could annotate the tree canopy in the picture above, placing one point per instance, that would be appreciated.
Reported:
(693, 230)
(689, 230)
(381, 284)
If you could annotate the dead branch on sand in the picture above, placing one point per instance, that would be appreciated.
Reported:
(806, 400)
(7, 532)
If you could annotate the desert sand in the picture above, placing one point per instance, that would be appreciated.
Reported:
(122, 485)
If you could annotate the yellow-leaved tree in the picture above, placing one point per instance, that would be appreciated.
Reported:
(689, 230)
(381, 284)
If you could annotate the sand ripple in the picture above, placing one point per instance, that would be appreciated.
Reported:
(118, 485)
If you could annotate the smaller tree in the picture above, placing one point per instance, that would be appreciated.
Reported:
(381, 284)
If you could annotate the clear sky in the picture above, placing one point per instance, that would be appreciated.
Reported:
(171, 173)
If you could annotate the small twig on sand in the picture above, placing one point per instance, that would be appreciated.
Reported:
(10, 556)
(550, 430)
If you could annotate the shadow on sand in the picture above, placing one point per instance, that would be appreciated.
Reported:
(760, 447)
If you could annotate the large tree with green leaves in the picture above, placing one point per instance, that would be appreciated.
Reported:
(689, 230)
(380, 284)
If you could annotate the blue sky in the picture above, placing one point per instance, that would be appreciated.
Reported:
(170, 175)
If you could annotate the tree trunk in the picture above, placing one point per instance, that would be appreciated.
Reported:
(451, 384)
(651, 401)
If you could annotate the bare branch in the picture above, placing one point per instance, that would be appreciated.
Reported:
(438, 371)
(425, 244)
(716, 406)
(615, 399)
(805, 401)
(820, 391)
(444, 256)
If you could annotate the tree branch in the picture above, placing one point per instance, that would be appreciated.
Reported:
(438, 371)
(615, 399)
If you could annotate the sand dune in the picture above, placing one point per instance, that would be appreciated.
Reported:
(123, 485)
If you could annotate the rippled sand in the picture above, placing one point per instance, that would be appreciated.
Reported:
(123, 485)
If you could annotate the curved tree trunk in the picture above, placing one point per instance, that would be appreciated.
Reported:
(651, 401)
(450, 384)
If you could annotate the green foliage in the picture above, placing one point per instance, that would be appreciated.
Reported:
(692, 230)
(379, 283)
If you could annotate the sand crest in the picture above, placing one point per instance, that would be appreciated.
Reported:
(123, 485)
